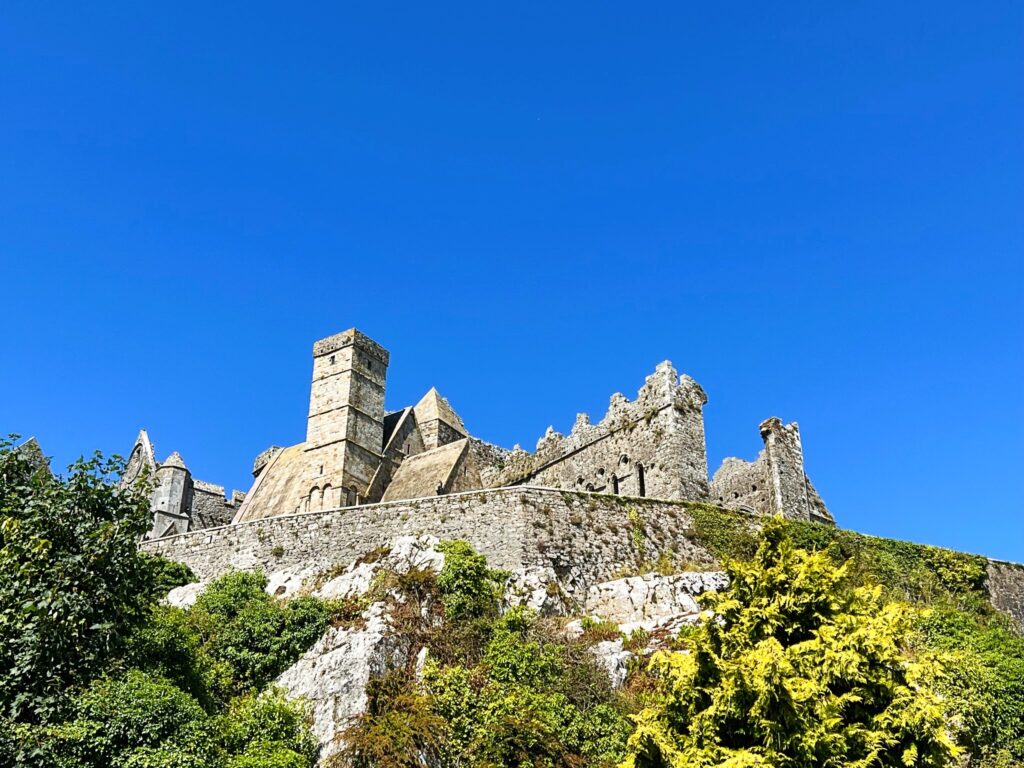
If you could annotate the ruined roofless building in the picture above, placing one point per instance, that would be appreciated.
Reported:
(179, 502)
(355, 453)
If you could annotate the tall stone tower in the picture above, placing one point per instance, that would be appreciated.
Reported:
(345, 428)
(785, 459)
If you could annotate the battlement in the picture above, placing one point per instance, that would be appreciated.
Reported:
(650, 446)
(349, 338)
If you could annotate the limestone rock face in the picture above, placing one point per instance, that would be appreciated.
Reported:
(614, 659)
(539, 589)
(405, 554)
(332, 675)
(184, 596)
(652, 601)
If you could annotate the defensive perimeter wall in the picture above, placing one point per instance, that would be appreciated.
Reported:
(583, 538)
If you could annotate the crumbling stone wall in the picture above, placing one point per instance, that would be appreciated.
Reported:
(775, 483)
(652, 446)
(582, 538)
(742, 485)
(490, 461)
(210, 507)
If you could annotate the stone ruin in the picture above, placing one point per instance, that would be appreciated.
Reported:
(180, 502)
(355, 454)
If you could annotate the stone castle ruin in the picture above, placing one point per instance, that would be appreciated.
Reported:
(357, 454)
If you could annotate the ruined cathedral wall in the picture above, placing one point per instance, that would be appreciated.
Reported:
(651, 446)
(490, 461)
(742, 485)
(210, 508)
(630, 460)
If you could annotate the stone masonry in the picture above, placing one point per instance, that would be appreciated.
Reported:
(180, 502)
(571, 541)
(355, 453)
(580, 538)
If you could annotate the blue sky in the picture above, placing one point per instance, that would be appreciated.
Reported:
(814, 209)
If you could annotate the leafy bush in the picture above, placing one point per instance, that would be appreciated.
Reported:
(399, 728)
(73, 586)
(468, 587)
(984, 682)
(795, 668)
(266, 731)
(134, 711)
(248, 637)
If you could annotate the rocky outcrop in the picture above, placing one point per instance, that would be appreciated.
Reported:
(615, 659)
(333, 674)
(652, 601)
(184, 596)
(539, 589)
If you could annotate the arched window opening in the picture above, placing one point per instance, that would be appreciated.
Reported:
(590, 486)
(640, 486)
(314, 499)
(328, 497)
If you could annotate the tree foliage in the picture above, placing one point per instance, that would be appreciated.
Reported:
(984, 682)
(94, 674)
(496, 690)
(72, 584)
(794, 668)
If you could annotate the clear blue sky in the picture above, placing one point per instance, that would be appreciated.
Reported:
(815, 209)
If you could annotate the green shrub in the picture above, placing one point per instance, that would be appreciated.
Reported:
(468, 587)
(514, 656)
(984, 681)
(134, 711)
(266, 731)
(166, 574)
(250, 637)
(399, 728)
(73, 586)
(796, 667)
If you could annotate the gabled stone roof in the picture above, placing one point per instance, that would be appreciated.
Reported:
(174, 460)
(420, 475)
(433, 407)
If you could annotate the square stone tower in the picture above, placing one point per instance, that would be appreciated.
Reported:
(345, 428)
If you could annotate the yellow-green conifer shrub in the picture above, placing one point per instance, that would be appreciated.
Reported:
(793, 668)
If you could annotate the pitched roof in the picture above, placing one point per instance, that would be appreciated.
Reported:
(433, 407)
(174, 460)
(420, 475)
